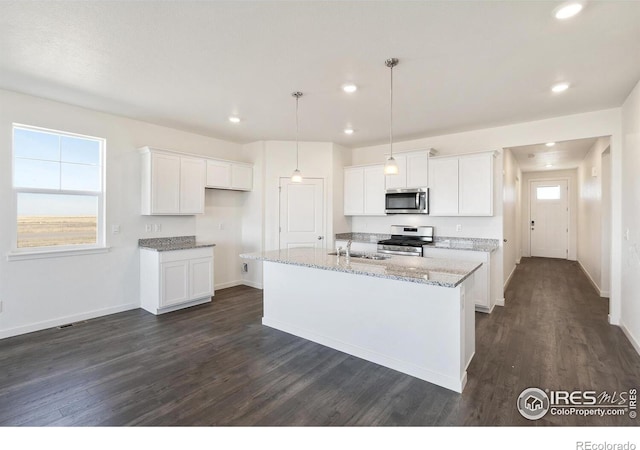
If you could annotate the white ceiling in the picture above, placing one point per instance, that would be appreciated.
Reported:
(189, 65)
(563, 155)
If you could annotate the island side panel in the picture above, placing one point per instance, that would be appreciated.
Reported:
(414, 328)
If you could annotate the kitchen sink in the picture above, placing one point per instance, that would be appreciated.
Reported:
(372, 256)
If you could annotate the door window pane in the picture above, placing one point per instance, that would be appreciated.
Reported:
(36, 145)
(548, 192)
(46, 220)
(31, 173)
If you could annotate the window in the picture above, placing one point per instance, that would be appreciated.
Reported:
(58, 184)
(548, 193)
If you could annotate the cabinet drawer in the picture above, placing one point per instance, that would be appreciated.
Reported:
(181, 255)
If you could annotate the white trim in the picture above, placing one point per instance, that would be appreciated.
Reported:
(373, 356)
(519, 260)
(66, 319)
(21, 256)
(509, 279)
(605, 294)
(631, 337)
(500, 302)
(252, 284)
(228, 284)
(593, 283)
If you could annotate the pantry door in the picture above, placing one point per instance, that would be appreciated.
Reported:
(302, 213)
(549, 219)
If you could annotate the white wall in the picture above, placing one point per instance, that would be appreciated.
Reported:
(41, 293)
(571, 176)
(511, 215)
(590, 213)
(253, 214)
(577, 126)
(630, 311)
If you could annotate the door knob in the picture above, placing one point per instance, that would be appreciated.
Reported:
(320, 238)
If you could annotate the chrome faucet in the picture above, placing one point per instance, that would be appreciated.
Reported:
(348, 251)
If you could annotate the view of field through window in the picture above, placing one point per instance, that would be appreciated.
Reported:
(57, 178)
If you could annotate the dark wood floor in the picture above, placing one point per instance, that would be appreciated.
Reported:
(217, 365)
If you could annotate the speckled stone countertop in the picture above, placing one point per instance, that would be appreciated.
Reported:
(434, 271)
(167, 244)
(453, 243)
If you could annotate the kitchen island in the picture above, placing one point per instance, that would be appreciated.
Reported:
(406, 313)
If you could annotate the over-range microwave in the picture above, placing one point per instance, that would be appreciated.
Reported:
(407, 201)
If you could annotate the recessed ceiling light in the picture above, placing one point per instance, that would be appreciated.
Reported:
(349, 88)
(560, 87)
(234, 119)
(550, 144)
(567, 10)
(348, 131)
(549, 165)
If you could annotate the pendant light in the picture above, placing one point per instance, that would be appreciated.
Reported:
(391, 166)
(296, 177)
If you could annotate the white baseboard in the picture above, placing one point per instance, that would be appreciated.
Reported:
(228, 284)
(509, 278)
(605, 294)
(518, 260)
(500, 302)
(631, 337)
(252, 284)
(65, 320)
(593, 283)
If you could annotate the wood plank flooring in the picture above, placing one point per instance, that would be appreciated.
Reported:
(216, 364)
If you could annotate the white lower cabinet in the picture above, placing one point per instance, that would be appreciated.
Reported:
(177, 279)
(482, 290)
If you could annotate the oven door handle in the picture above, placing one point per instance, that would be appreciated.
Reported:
(395, 252)
(417, 200)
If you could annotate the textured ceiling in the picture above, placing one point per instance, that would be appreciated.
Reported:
(189, 65)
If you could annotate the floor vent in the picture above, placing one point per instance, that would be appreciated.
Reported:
(68, 325)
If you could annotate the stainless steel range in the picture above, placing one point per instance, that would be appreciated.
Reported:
(406, 240)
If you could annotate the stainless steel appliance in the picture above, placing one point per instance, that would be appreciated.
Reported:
(407, 201)
(406, 240)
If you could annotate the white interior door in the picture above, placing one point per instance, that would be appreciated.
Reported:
(302, 213)
(549, 219)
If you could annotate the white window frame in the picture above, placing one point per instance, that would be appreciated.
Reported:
(19, 253)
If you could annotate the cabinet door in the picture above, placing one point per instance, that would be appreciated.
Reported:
(443, 186)
(241, 177)
(200, 278)
(398, 181)
(374, 191)
(165, 184)
(353, 191)
(174, 283)
(192, 172)
(218, 174)
(417, 170)
(476, 185)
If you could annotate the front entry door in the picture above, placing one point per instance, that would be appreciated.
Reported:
(549, 219)
(302, 213)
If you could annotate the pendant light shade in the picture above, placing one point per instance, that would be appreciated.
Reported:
(296, 177)
(391, 166)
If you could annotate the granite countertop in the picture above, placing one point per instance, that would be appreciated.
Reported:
(453, 243)
(173, 243)
(434, 271)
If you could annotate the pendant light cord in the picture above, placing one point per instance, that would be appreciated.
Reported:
(391, 115)
(297, 152)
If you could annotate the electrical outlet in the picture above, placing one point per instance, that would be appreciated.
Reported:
(115, 229)
(0, 306)
(147, 228)
(221, 226)
(245, 267)
(157, 227)
(459, 227)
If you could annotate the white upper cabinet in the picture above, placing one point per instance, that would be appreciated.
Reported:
(461, 185)
(476, 185)
(171, 184)
(192, 174)
(364, 189)
(229, 175)
(412, 171)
